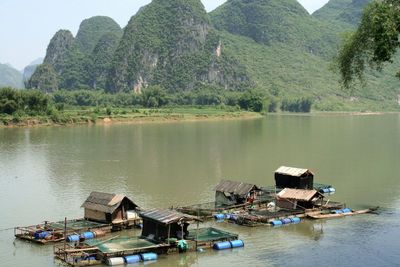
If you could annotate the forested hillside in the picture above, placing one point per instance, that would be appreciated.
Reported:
(273, 46)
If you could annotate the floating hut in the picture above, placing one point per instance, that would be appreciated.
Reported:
(230, 196)
(289, 177)
(228, 193)
(292, 199)
(161, 225)
(110, 208)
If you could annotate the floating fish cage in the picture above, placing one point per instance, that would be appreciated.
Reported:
(207, 210)
(128, 249)
(50, 232)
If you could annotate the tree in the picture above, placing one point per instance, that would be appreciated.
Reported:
(252, 100)
(374, 43)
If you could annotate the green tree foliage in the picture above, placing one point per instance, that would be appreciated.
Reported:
(32, 102)
(374, 43)
(154, 97)
(10, 100)
(302, 104)
(252, 100)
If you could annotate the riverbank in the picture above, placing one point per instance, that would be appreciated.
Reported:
(136, 116)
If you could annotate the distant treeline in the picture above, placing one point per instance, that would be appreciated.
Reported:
(33, 102)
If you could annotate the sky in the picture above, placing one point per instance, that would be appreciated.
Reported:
(26, 26)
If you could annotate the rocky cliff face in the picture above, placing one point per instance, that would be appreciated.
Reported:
(59, 49)
(171, 43)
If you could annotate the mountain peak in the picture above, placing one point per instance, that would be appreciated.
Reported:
(92, 29)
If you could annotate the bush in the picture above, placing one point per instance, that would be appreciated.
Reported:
(252, 100)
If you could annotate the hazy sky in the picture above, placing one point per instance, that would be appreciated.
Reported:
(26, 26)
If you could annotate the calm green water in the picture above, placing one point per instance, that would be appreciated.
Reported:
(46, 174)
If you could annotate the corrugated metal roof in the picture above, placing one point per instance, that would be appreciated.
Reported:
(233, 187)
(104, 202)
(167, 216)
(292, 171)
(297, 194)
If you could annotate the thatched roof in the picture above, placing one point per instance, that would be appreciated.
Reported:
(167, 216)
(105, 202)
(233, 187)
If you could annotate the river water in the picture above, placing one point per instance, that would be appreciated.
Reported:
(46, 174)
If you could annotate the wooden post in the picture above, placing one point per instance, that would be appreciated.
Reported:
(65, 238)
(169, 232)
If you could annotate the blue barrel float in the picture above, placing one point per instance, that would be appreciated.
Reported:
(219, 216)
(222, 245)
(276, 223)
(237, 243)
(346, 210)
(286, 221)
(73, 238)
(332, 190)
(295, 220)
(132, 259)
(88, 235)
(149, 256)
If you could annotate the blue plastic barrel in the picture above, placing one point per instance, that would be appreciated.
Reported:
(73, 238)
(346, 210)
(88, 235)
(228, 216)
(295, 220)
(286, 221)
(276, 223)
(222, 245)
(219, 216)
(332, 190)
(237, 243)
(324, 190)
(149, 256)
(338, 211)
(132, 259)
(233, 217)
(41, 234)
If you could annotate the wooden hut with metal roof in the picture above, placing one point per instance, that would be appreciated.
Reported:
(290, 177)
(293, 199)
(161, 225)
(109, 208)
(229, 193)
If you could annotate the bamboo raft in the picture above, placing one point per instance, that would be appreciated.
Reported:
(52, 232)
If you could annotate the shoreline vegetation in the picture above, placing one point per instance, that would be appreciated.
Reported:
(126, 116)
(35, 108)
